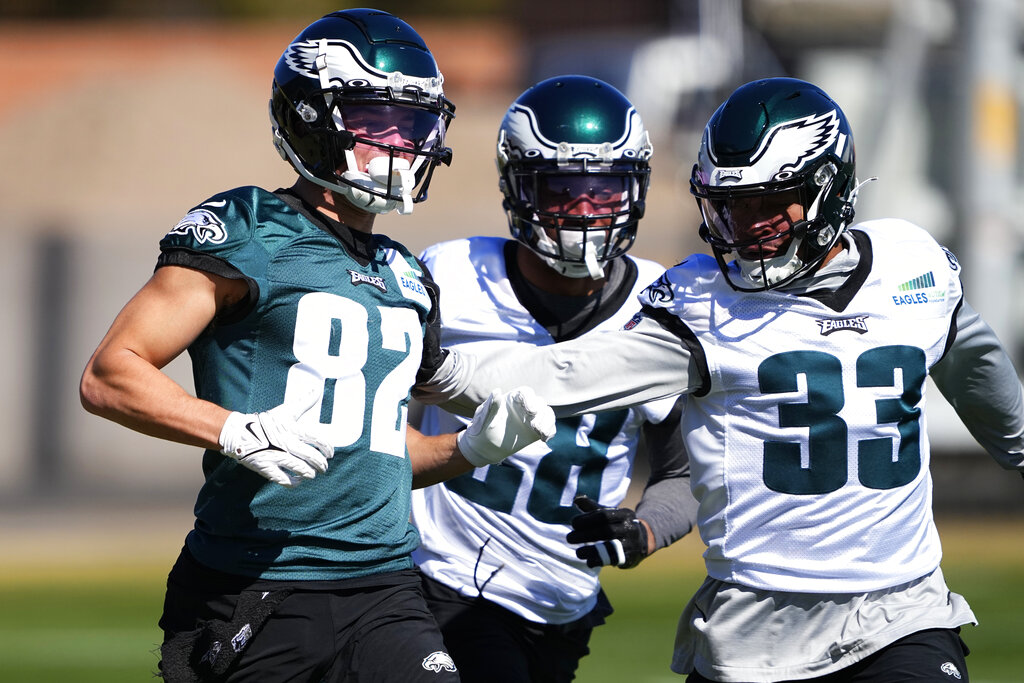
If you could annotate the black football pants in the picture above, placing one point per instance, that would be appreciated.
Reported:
(371, 633)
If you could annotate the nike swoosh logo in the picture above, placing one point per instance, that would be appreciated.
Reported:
(216, 204)
(252, 431)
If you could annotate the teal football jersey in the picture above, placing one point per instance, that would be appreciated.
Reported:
(323, 324)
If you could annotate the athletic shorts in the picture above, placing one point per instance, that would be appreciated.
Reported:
(221, 627)
(933, 656)
(492, 645)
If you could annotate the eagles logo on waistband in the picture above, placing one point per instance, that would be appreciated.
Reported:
(363, 279)
(858, 324)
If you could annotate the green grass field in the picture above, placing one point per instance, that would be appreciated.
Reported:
(61, 621)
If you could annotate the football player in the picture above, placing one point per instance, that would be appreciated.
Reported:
(515, 601)
(804, 345)
(306, 331)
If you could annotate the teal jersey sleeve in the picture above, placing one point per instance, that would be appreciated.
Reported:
(223, 226)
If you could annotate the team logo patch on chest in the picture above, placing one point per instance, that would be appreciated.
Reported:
(364, 279)
(858, 324)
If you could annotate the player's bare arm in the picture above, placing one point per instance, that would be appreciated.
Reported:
(433, 458)
(123, 380)
(505, 423)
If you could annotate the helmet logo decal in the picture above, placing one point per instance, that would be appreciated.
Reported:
(203, 224)
(522, 121)
(790, 145)
(339, 63)
(309, 57)
(301, 57)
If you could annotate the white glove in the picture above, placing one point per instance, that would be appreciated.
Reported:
(274, 445)
(505, 424)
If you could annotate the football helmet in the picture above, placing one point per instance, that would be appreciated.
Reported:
(357, 106)
(573, 167)
(774, 181)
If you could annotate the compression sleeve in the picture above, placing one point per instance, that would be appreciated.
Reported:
(667, 504)
(595, 372)
(978, 379)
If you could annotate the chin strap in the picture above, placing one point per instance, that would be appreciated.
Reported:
(593, 267)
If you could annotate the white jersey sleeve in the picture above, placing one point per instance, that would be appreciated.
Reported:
(603, 370)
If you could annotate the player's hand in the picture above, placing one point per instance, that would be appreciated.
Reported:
(614, 535)
(504, 424)
(275, 445)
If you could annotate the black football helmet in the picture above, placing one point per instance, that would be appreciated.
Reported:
(573, 167)
(365, 77)
(781, 150)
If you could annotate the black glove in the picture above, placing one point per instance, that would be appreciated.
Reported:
(433, 354)
(616, 536)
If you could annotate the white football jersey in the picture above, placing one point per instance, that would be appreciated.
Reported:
(809, 452)
(499, 531)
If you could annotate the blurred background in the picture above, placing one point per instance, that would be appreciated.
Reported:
(117, 116)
